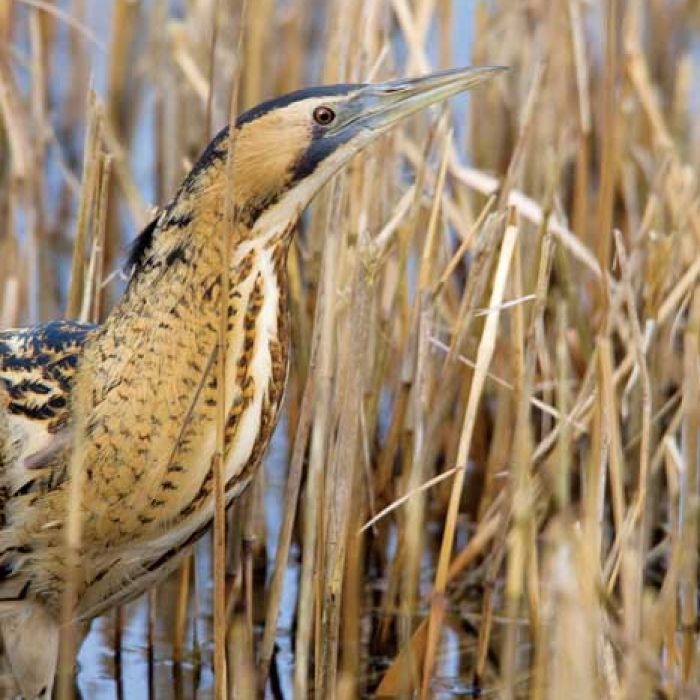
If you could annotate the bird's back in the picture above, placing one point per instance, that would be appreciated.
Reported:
(37, 366)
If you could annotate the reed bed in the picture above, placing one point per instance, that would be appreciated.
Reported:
(490, 441)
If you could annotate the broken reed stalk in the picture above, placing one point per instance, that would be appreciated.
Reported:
(88, 192)
(99, 247)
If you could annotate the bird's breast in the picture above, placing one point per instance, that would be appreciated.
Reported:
(165, 447)
(153, 435)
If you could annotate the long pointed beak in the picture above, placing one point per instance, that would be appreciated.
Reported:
(364, 112)
(383, 104)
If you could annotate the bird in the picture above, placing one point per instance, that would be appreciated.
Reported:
(129, 407)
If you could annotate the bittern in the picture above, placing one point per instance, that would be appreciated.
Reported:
(130, 407)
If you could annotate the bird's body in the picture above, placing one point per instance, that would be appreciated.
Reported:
(145, 387)
(130, 408)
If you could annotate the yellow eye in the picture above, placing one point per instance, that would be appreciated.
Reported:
(324, 115)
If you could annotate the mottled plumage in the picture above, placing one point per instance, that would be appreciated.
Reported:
(37, 367)
(130, 407)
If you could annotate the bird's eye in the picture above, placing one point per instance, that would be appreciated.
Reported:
(324, 115)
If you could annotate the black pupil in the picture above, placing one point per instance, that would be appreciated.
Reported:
(324, 115)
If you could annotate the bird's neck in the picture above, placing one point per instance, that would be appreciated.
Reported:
(147, 393)
(192, 252)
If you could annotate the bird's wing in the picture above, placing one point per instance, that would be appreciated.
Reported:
(37, 366)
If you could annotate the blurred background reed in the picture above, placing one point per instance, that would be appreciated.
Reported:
(496, 325)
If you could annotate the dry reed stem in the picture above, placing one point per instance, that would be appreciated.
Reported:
(690, 499)
(405, 498)
(319, 437)
(183, 594)
(73, 537)
(219, 460)
(340, 481)
(99, 247)
(419, 358)
(285, 538)
(584, 541)
(65, 17)
(483, 359)
(88, 194)
(520, 489)
(73, 531)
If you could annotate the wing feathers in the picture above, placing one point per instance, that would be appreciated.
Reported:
(36, 368)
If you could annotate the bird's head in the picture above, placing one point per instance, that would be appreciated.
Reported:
(284, 151)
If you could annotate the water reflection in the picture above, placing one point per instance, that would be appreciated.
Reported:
(131, 671)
